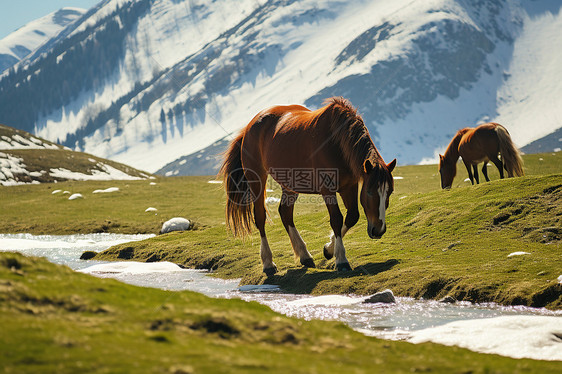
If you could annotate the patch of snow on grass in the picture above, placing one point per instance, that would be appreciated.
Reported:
(76, 196)
(513, 254)
(107, 173)
(107, 190)
(56, 192)
(272, 200)
(511, 336)
(151, 209)
(131, 267)
(9, 167)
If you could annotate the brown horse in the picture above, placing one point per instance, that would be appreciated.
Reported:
(480, 144)
(322, 152)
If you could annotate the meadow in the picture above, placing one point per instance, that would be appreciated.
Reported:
(439, 243)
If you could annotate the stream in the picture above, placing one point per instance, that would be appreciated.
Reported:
(518, 332)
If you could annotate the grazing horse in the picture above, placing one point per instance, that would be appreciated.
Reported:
(476, 145)
(322, 152)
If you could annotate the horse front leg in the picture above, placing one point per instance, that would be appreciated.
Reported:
(336, 222)
(286, 208)
(349, 197)
(468, 169)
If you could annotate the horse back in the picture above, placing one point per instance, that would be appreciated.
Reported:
(290, 137)
(480, 144)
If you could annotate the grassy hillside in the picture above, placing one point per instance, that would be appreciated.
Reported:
(25, 158)
(438, 242)
(56, 320)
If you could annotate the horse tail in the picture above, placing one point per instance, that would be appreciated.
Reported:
(511, 157)
(238, 193)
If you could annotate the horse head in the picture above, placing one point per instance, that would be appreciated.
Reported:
(447, 169)
(377, 187)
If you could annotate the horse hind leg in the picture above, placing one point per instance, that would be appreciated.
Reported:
(485, 171)
(496, 161)
(475, 171)
(286, 208)
(257, 188)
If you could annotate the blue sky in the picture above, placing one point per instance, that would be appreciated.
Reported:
(16, 13)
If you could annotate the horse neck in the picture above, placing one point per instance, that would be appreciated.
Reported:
(451, 155)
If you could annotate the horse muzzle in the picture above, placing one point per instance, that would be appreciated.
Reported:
(374, 232)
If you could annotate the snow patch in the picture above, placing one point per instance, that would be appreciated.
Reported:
(512, 336)
(151, 209)
(272, 200)
(76, 196)
(513, 254)
(131, 267)
(107, 190)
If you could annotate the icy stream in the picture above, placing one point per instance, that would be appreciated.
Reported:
(518, 332)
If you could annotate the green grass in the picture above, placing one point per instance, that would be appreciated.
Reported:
(453, 242)
(56, 320)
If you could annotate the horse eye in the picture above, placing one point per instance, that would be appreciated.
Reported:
(369, 193)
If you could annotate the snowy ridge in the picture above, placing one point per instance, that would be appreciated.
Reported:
(26, 39)
(183, 75)
(26, 159)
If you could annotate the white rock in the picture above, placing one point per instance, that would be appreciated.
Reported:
(175, 224)
(56, 192)
(560, 279)
(151, 209)
(76, 196)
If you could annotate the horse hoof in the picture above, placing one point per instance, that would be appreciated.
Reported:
(327, 254)
(270, 271)
(308, 262)
(343, 267)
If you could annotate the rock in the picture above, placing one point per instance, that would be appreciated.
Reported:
(175, 224)
(88, 255)
(448, 299)
(76, 196)
(385, 296)
(151, 209)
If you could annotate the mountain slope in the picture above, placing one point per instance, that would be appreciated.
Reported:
(26, 39)
(146, 82)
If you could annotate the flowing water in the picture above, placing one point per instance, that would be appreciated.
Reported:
(511, 331)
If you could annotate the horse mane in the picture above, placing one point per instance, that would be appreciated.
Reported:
(351, 134)
(452, 152)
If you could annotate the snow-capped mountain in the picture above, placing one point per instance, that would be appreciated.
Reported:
(28, 38)
(145, 82)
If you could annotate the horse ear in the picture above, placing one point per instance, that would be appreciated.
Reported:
(440, 156)
(391, 165)
(367, 166)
